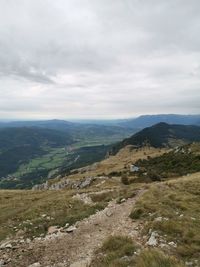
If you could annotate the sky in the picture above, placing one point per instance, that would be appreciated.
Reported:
(98, 59)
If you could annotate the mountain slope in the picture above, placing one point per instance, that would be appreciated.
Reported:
(161, 135)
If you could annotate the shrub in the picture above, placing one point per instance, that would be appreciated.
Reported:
(136, 213)
(125, 180)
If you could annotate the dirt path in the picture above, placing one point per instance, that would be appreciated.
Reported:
(76, 249)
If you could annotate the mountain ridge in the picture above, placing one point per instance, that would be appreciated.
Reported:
(161, 135)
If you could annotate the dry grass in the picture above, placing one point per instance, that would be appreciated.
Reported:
(155, 258)
(117, 163)
(117, 251)
(121, 251)
(178, 202)
(25, 210)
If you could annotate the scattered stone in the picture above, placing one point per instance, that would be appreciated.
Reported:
(8, 246)
(84, 198)
(181, 215)
(36, 264)
(122, 200)
(152, 240)
(71, 229)
(173, 244)
(2, 263)
(52, 230)
(66, 225)
(189, 263)
(82, 263)
(109, 213)
(158, 219)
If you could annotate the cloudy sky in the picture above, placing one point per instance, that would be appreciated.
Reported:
(98, 58)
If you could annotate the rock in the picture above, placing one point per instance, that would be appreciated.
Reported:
(122, 200)
(2, 263)
(173, 244)
(66, 225)
(189, 263)
(52, 230)
(83, 197)
(86, 182)
(158, 219)
(36, 264)
(81, 263)
(71, 229)
(152, 240)
(8, 246)
(109, 213)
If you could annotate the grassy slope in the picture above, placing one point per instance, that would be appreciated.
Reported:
(121, 251)
(179, 202)
(23, 210)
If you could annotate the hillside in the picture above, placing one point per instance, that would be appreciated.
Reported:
(111, 225)
(20, 145)
(32, 136)
(161, 135)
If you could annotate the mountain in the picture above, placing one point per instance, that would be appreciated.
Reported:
(161, 135)
(149, 120)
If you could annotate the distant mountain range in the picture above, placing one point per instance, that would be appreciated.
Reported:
(161, 135)
(134, 123)
(78, 131)
(149, 120)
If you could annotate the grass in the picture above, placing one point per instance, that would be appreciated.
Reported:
(178, 203)
(155, 258)
(121, 251)
(33, 212)
(115, 252)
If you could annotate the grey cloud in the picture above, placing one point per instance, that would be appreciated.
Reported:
(99, 58)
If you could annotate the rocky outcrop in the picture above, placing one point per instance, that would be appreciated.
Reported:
(67, 183)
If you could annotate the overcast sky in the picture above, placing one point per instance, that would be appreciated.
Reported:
(98, 58)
